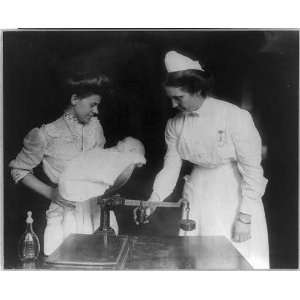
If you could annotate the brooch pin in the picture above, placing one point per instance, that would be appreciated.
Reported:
(221, 137)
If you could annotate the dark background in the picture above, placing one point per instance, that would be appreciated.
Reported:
(256, 67)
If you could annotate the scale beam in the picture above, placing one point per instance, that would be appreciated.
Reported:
(130, 202)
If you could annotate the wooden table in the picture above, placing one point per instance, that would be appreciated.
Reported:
(189, 253)
(147, 253)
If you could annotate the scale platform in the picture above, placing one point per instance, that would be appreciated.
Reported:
(98, 251)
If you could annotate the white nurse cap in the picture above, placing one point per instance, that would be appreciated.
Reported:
(175, 62)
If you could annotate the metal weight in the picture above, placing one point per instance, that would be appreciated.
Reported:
(140, 215)
(187, 224)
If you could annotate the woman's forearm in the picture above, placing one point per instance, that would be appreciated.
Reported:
(166, 179)
(38, 186)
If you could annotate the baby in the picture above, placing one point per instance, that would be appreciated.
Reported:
(90, 174)
(86, 177)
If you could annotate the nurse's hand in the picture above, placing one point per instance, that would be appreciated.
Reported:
(142, 213)
(58, 199)
(150, 208)
(242, 228)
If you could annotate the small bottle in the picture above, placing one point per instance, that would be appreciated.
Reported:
(29, 245)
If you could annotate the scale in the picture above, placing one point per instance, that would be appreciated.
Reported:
(110, 199)
(104, 249)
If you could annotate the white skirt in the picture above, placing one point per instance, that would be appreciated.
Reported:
(215, 196)
(61, 222)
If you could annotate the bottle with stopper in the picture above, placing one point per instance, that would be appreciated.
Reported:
(29, 245)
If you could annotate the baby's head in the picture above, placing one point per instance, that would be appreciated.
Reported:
(129, 144)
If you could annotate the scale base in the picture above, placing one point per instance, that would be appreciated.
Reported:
(86, 251)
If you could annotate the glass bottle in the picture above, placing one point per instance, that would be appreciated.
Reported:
(29, 245)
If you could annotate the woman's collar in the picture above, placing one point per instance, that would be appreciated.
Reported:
(69, 116)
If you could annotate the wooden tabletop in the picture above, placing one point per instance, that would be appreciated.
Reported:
(185, 253)
(146, 253)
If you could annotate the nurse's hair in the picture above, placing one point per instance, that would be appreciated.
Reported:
(191, 81)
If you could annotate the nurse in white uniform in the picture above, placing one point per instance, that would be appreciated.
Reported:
(227, 183)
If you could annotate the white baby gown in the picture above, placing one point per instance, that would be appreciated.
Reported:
(86, 177)
(92, 172)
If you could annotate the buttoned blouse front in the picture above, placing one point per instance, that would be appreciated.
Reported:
(217, 133)
(55, 144)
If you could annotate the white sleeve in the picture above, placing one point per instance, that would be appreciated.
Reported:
(30, 156)
(248, 149)
(166, 179)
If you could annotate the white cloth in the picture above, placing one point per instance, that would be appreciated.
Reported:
(55, 145)
(91, 173)
(219, 140)
(175, 62)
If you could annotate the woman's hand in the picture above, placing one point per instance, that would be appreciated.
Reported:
(241, 231)
(58, 199)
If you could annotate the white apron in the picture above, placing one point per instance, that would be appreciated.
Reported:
(221, 140)
(215, 196)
